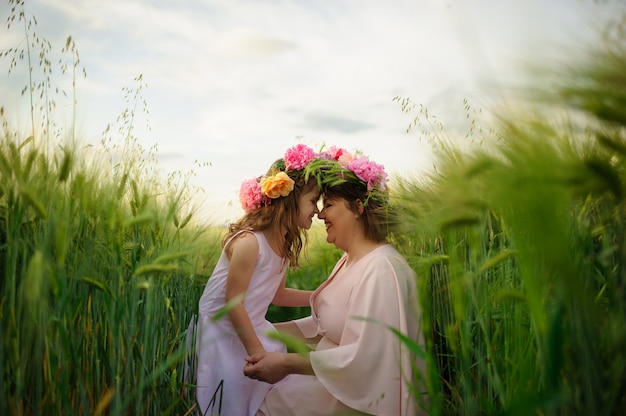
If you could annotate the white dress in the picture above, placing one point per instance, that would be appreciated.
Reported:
(221, 387)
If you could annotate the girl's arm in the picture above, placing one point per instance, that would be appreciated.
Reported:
(291, 297)
(243, 251)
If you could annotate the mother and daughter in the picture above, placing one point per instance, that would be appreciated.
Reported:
(357, 364)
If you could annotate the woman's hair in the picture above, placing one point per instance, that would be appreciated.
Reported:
(380, 218)
(281, 214)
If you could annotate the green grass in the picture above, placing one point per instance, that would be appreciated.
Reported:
(519, 244)
(98, 279)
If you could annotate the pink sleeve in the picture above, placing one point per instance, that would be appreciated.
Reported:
(364, 371)
(307, 326)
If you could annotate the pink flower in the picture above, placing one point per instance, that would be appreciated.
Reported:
(334, 152)
(345, 158)
(297, 157)
(250, 195)
(369, 172)
(338, 154)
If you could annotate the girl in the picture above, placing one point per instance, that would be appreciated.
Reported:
(250, 275)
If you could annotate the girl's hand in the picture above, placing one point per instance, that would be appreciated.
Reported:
(257, 352)
(270, 367)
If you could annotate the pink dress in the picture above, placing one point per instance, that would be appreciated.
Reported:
(360, 366)
(221, 386)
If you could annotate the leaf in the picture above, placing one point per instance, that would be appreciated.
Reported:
(609, 177)
(412, 344)
(30, 199)
(155, 268)
(66, 165)
(169, 257)
(228, 307)
(460, 222)
(509, 294)
(97, 284)
(25, 142)
(292, 343)
(104, 401)
(497, 259)
(615, 145)
(141, 219)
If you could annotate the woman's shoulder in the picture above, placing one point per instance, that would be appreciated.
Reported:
(387, 268)
(383, 252)
(386, 256)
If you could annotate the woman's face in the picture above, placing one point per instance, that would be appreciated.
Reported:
(308, 207)
(341, 222)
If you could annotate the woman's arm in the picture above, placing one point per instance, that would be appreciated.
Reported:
(292, 329)
(289, 328)
(243, 251)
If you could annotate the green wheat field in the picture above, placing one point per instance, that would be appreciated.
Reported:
(518, 239)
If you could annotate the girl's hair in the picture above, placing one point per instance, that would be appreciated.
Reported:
(380, 218)
(281, 214)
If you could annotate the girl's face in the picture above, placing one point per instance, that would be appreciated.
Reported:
(308, 207)
(341, 222)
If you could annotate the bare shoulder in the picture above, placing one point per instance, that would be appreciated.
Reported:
(243, 243)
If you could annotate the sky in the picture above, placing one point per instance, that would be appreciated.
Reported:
(229, 85)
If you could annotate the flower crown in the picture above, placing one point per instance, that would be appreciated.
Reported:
(336, 166)
(259, 192)
(331, 167)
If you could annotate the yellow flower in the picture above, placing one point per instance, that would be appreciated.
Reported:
(278, 185)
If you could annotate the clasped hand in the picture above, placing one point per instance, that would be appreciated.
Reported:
(266, 366)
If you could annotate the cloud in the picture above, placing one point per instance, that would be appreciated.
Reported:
(322, 122)
(246, 44)
(235, 82)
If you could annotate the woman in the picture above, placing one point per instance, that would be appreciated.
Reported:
(358, 366)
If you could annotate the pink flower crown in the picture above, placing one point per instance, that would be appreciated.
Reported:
(371, 173)
(259, 192)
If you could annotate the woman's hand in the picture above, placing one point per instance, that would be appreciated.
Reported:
(270, 367)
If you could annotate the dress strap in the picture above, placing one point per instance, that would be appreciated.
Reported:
(238, 233)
